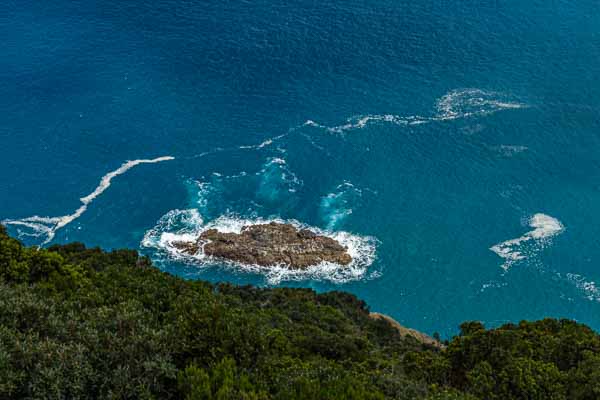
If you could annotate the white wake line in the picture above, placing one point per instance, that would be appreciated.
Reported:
(456, 104)
(49, 225)
(266, 143)
(362, 121)
(448, 107)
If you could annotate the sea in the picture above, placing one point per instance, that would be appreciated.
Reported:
(452, 146)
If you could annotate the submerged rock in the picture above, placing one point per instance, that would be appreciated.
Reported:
(269, 244)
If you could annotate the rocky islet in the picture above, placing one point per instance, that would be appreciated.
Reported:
(269, 244)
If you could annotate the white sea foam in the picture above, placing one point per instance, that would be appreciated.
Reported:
(277, 160)
(510, 150)
(589, 288)
(460, 103)
(48, 226)
(512, 251)
(274, 186)
(338, 205)
(265, 143)
(492, 285)
(276, 178)
(175, 226)
(464, 103)
(187, 225)
(361, 121)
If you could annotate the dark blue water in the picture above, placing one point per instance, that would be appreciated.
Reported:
(421, 135)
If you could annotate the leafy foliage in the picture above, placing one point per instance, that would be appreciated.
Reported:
(84, 323)
(547, 359)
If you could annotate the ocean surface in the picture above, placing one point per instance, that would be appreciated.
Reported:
(453, 146)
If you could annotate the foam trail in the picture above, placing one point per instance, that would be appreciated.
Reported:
(47, 226)
(456, 104)
(265, 143)
(464, 103)
(545, 227)
(362, 121)
(509, 150)
(589, 288)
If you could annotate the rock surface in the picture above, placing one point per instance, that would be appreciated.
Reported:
(270, 244)
(420, 336)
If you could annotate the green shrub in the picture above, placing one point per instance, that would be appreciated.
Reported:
(85, 323)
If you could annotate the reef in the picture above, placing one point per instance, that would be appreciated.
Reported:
(268, 245)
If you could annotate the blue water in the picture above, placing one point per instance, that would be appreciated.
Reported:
(428, 131)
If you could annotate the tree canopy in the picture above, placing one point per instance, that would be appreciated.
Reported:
(85, 323)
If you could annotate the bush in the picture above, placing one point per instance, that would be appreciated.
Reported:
(85, 323)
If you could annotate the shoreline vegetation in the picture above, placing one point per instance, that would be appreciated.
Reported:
(404, 331)
(79, 322)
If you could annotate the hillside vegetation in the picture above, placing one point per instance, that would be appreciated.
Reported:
(84, 323)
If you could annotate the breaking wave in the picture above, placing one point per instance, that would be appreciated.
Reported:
(514, 250)
(187, 225)
(46, 227)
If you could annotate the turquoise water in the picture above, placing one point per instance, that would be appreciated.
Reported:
(453, 146)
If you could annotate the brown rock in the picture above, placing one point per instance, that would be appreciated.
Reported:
(188, 247)
(270, 244)
(420, 336)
